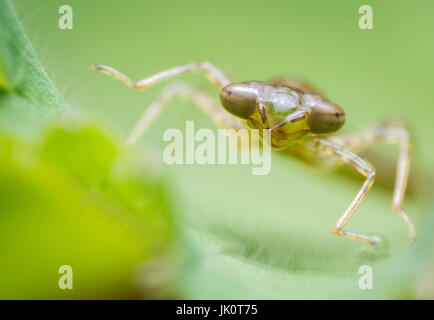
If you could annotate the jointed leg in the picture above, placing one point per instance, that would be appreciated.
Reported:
(327, 148)
(391, 134)
(182, 90)
(213, 74)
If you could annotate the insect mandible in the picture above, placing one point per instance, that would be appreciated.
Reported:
(295, 116)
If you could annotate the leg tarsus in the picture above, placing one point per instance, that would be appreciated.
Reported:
(340, 224)
(213, 74)
(372, 240)
(113, 72)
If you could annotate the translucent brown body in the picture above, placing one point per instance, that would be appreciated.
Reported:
(295, 117)
(290, 113)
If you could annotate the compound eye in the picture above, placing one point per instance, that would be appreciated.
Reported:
(326, 117)
(239, 99)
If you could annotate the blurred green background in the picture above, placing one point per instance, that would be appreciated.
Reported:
(247, 236)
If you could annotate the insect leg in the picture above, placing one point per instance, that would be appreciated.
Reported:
(296, 116)
(327, 148)
(396, 134)
(213, 74)
(182, 90)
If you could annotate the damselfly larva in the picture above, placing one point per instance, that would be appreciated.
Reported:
(295, 117)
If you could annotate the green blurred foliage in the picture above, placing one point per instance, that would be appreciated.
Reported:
(69, 194)
(248, 236)
(101, 224)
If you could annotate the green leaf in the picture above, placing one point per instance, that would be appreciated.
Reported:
(20, 69)
(270, 237)
(28, 98)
